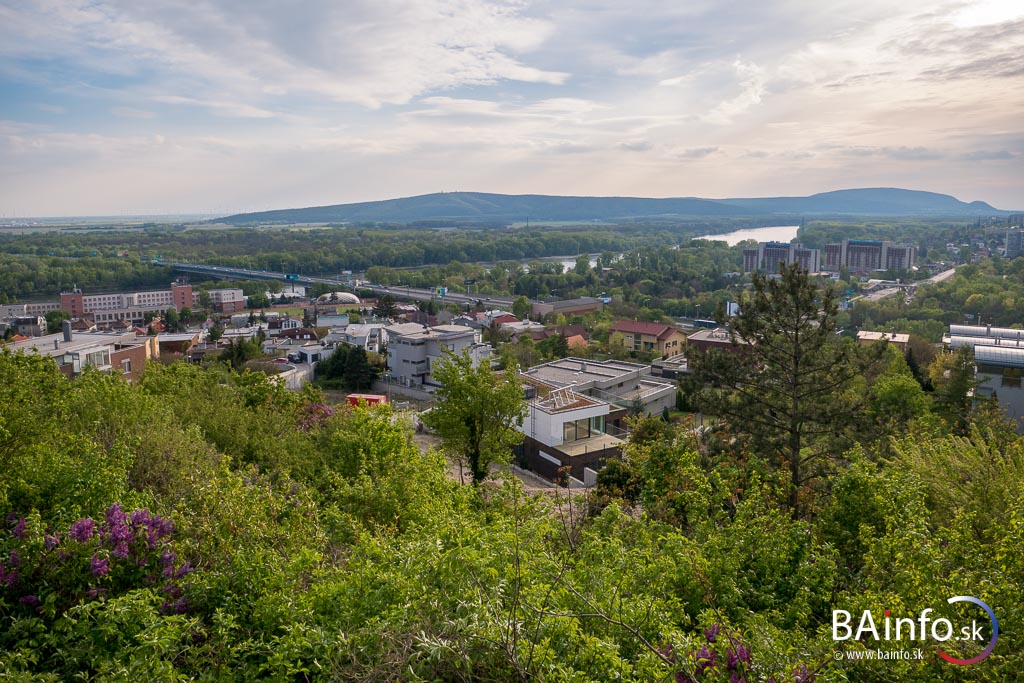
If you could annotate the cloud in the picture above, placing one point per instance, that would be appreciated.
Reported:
(698, 152)
(752, 88)
(636, 146)
(131, 113)
(362, 51)
(327, 101)
(50, 108)
(223, 107)
(986, 155)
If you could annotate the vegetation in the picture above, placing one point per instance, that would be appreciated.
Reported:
(477, 412)
(788, 379)
(207, 524)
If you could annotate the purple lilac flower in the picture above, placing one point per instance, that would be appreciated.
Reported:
(19, 528)
(168, 571)
(115, 515)
(30, 600)
(82, 530)
(52, 540)
(737, 678)
(184, 570)
(732, 659)
(711, 633)
(179, 606)
(802, 675)
(705, 659)
(140, 517)
(168, 558)
(15, 558)
(100, 566)
(743, 652)
(12, 578)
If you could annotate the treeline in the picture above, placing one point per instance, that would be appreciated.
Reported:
(24, 276)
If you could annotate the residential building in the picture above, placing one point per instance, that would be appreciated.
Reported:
(659, 338)
(863, 256)
(226, 300)
(568, 307)
(713, 338)
(767, 256)
(104, 351)
(30, 325)
(370, 336)
(414, 350)
(900, 341)
(576, 411)
(1014, 243)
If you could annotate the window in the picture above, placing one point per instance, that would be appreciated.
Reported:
(1011, 377)
(126, 365)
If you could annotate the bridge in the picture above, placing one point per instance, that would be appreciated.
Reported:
(398, 292)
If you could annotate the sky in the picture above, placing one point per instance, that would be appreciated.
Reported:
(111, 107)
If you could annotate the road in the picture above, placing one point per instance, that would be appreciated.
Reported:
(412, 293)
(884, 293)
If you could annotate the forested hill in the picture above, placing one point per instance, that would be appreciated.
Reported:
(479, 206)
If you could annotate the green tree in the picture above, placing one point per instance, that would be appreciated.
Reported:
(359, 375)
(386, 307)
(172, 320)
(521, 307)
(477, 411)
(54, 320)
(786, 387)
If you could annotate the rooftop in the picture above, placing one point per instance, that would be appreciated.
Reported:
(659, 330)
(54, 344)
(985, 331)
(894, 337)
(572, 371)
(1000, 356)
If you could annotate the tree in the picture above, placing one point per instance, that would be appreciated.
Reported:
(385, 307)
(172, 321)
(215, 333)
(359, 375)
(952, 375)
(477, 411)
(54, 320)
(521, 307)
(786, 386)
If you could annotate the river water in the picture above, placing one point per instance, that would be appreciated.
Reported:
(777, 233)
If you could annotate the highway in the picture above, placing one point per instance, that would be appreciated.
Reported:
(884, 293)
(398, 292)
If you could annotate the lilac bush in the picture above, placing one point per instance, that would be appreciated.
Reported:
(46, 573)
(723, 656)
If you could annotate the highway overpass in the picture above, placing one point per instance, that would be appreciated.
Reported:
(398, 292)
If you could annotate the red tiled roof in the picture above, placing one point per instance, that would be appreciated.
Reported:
(659, 330)
(504, 319)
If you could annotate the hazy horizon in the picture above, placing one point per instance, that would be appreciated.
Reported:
(113, 108)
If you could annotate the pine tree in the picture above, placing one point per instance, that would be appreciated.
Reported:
(785, 385)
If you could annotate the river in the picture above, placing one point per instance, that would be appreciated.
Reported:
(777, 233)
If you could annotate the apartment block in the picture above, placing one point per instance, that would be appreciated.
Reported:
(863, 256)
(767, 256)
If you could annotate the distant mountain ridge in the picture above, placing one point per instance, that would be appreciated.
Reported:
(482, 206)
